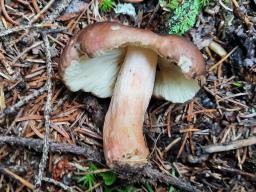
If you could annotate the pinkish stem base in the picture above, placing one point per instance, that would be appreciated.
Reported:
(123, 138)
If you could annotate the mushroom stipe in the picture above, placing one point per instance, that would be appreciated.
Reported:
(131, 65)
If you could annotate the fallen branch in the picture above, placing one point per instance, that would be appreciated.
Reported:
(37, 144)
(47, 111)
(168, 179)
(230, 146)
(149, 174)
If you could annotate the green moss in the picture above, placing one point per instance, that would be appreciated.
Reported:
(106, 5)
(183, 15)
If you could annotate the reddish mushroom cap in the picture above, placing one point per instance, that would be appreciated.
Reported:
(97, 39)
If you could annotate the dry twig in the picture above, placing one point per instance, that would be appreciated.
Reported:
(223, 59)
(19, 28)
(236, 172)
(230, 146)
(153, 14)
(6, 64)
(35, 5)
(24, 100)
(59, 184)
(2, 4)
(36, 17)
(47, 110)
(26, 50)
(17, 177)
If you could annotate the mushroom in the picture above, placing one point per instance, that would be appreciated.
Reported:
(129, 64)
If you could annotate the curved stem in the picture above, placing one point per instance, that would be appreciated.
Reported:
(123, 138)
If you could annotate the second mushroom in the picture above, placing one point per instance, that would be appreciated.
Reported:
(131, 65)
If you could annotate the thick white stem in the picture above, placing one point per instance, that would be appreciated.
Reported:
(124, 141)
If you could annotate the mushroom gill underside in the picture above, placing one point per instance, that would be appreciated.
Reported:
(172, 85)
(98, 76)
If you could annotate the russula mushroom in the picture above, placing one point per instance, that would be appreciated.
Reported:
(129, 64)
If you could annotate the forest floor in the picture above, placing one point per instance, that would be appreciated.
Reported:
(205, 144)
